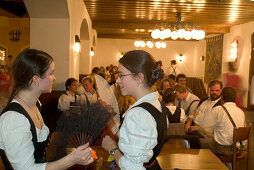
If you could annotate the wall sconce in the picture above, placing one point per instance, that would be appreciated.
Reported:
(180, 58)
(91, 52)
(77, 44)
(202, 58)
(14, 35)
(121, 54)
(234, 51)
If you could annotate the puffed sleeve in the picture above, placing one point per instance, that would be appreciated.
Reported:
(64, 102)
(138, 136)
(16, 139)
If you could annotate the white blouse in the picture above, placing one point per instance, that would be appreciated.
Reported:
(16, 140)
(65, 99)
(138, 134)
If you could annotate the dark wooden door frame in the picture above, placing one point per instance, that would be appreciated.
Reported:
(251, 73)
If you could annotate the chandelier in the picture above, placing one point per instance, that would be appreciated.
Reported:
(178, 30)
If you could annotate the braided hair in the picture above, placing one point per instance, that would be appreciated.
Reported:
(140, 61)
(28, 63)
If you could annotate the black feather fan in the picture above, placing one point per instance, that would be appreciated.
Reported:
(80, 125)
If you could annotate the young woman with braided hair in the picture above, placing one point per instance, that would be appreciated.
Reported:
(141, 135)
(23, 134)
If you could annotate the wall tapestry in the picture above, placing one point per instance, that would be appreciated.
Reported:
(213, 63)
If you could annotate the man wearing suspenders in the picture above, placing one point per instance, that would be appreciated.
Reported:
(224, 120)
(185, 100)
(198, 119)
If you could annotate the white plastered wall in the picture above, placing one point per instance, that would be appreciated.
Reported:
(81, 25)
(243, 34)
(53, 26)
(108, 51)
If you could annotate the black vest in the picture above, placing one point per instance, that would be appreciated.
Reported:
(161, 122)
(40, 147)
(175, 118)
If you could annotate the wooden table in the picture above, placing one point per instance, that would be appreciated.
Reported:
(171, 158)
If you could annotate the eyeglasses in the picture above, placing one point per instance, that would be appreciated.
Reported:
(122, 75)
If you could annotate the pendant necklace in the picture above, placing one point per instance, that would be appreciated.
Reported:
(37, 116)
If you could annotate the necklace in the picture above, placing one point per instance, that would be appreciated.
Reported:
(37, 116)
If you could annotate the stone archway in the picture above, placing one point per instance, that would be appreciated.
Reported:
(85, 59)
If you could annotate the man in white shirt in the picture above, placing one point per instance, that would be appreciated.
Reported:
(206, 105)
(182, 79)
(185, 99)
(89, 93)
(69, 98)
(222, 141)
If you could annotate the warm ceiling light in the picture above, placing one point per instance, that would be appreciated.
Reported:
(136, 44)
(187, 35)
(179, 30)
(155, 34)
(163, 45)
(142, 44)
(181, 33)
(174, 35)
(158, 45)
(149, 44)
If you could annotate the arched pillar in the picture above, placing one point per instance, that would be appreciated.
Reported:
(53, 26)
(85, 58)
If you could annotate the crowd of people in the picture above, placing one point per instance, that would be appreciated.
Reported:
(148, 100)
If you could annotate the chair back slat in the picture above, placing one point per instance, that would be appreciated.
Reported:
(242, 159)
(241, 133)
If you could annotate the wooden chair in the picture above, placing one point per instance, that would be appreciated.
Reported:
(239, 160)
